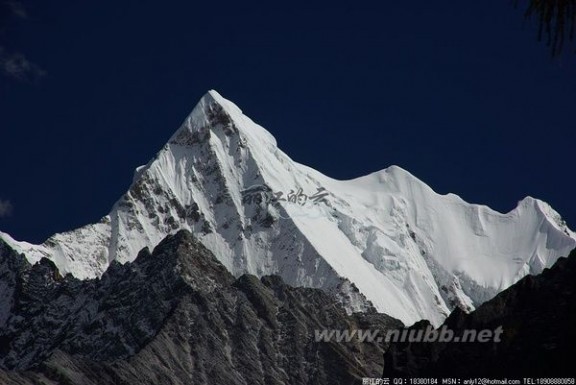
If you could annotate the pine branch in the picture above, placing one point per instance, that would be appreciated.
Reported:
(556, 21)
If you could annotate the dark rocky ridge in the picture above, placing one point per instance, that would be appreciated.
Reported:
(173, 316)
(537, 314)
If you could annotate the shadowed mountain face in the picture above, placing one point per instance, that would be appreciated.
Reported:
(538, 317)
(173, 316)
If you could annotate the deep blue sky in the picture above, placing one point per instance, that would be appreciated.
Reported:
(459, 93)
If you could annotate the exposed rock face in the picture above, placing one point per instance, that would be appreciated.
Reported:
(537, 315)
(173, 316)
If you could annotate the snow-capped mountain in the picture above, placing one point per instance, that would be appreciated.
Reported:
(386, 237)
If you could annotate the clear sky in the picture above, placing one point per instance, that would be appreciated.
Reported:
(459, 93)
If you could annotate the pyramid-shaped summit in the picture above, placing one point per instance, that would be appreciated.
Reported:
(385, 239)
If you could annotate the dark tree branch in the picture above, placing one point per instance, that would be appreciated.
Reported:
(556, 21)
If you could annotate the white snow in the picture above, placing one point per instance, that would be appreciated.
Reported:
(412, 252)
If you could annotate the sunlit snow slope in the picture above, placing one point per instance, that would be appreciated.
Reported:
(411, 252)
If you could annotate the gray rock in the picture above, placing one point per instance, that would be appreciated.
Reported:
(175, 316)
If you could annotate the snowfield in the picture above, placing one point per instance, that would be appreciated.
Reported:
(386, 238)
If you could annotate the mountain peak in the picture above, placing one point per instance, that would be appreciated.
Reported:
(215, 116)
(212, 96)
(403, 248)
(211, 115)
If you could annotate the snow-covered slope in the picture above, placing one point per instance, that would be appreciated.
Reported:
(413, 253)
